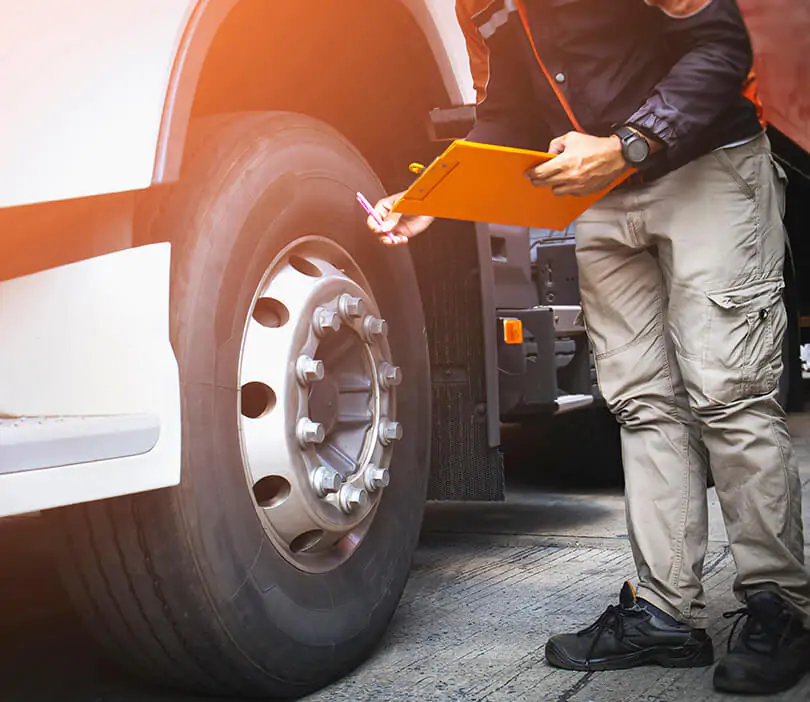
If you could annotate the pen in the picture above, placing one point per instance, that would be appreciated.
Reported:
(368, 207)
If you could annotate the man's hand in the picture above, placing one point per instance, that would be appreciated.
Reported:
(585, 165)
(403, 227)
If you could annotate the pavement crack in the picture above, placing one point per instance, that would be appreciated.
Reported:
(578, 686)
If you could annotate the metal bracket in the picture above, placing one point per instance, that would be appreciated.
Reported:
(568, 320)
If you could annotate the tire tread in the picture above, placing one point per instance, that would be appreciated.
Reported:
(120, 559)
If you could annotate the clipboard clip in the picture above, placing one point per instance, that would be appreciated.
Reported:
(430, 178)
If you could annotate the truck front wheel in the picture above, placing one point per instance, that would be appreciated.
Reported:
(278, 562)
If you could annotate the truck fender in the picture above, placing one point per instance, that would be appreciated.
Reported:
(102, 92)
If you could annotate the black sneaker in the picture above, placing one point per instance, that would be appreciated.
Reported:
(772, 653)
(632, 634)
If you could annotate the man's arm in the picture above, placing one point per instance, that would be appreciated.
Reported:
(503, 117)
(716, 59)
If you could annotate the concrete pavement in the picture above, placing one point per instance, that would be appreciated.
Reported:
(490, 583)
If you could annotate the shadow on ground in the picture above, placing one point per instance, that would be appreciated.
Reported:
(48, 657)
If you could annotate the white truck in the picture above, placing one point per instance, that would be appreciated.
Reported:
(228, 402)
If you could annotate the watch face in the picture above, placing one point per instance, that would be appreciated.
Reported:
(638, 150)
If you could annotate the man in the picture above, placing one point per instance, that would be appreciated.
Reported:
(681, 281)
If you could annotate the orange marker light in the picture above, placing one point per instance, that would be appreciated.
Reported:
(513, 331)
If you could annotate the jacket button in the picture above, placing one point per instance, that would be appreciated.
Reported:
(560, 77)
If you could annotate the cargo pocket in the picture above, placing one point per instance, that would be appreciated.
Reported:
(742, 347)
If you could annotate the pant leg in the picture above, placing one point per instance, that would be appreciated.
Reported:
(718, 224)
(624, 297)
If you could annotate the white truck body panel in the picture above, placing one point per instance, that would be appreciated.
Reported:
(98, 96)
(90, 89)
(84, 85)
(86, 349)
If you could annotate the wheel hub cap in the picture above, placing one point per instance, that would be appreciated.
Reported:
(318, 404)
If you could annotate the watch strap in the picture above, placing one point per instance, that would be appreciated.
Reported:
(624, 133)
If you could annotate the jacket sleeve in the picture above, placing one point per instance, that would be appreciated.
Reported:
(503, 116)
(715, 59)
(477, 49)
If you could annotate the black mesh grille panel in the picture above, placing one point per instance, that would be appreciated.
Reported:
(464, 467)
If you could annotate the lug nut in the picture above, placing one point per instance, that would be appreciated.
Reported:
(376, 478)
(326, 481)
(309, 371)
(390, 432)
(390, 376)
(351, 498)
(351, 307)
(374, 329)
(325, 322)
(309, 432)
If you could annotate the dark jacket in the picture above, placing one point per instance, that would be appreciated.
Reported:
(674, 69)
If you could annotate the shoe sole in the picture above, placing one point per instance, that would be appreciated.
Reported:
(702, 657)
(724, 683)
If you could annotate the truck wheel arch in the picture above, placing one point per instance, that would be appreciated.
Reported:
(205, 21)
(200, 49)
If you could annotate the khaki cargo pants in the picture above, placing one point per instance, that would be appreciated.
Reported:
(681, 285)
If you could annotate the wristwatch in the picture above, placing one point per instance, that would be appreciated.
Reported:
(635, 148)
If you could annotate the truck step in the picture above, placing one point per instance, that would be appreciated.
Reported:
(570, 403)
(34, 443)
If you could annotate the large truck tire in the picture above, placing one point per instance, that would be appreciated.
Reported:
(253, 577)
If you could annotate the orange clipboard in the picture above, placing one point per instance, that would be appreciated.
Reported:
(483, 183)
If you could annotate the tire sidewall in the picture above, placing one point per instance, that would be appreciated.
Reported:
(280, 180)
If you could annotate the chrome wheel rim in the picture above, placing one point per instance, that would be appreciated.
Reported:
(317, 404)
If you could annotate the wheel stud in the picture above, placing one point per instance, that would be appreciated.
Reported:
(309, 432)
(376, 478)
(351, 498)
(390, 376)
(374, 329)
(351, 307)
(326, 481)
(309, 371)
(390, 432)
(325, 322)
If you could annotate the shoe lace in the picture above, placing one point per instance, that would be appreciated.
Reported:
(741, 614)
(612, 618)
(774, 640)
